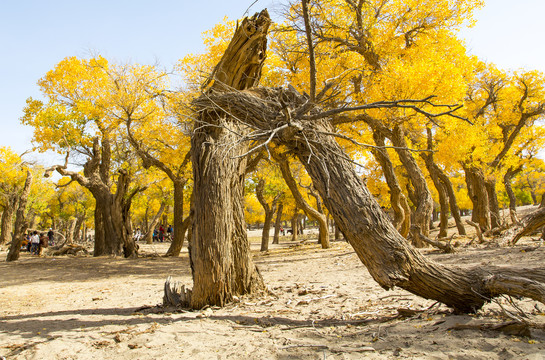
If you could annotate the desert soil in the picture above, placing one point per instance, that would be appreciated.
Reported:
(322, 304)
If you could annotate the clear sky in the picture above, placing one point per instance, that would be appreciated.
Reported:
(37, 34)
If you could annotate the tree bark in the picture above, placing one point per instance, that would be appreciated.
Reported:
(20, 223)
(220, 253)
(295, 225)
(434, 172)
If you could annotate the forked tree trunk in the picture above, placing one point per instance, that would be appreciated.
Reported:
(398, 201)
(20, 222)
(220, 253)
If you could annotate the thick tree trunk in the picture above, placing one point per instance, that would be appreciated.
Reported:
(424, 204)
(277, 224)
(479, 197)
(77, 230)
(220, 253)
(70, 231)
(109, 226)
(20, 223)
(398, 201)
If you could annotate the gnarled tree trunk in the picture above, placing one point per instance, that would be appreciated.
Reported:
(220, 253)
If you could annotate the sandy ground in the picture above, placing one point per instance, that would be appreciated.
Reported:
(322, 305)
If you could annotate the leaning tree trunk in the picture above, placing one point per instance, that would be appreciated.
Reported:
(220, 253)
(424, 200)
(398, 201)
(387, 255)
(20, 227)
(529, 224)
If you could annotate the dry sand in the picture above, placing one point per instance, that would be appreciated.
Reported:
(322, 305)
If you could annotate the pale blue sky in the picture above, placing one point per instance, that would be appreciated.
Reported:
(37, 34)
